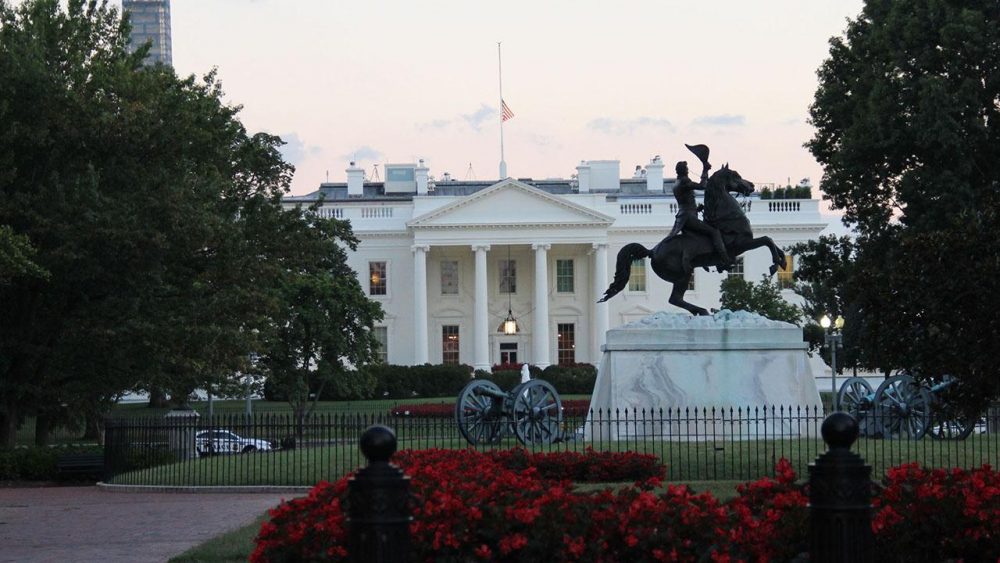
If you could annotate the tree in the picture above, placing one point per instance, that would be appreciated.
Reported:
(322, 325)
(16, 255)
(907, 112)
(140, 193)
(823, 270)
(907, 117)
(763, 298)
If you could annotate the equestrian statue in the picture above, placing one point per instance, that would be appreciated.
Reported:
(716, 240)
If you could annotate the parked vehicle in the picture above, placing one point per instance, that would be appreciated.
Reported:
(211, 442)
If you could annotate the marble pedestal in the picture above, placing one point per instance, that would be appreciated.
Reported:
(730, 376)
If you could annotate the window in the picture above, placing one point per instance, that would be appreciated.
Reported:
(449, 278)
(508, 352)
(637, 278)
(737, 271)
(508, 276)
(785, 280)
(381, 334)
(564, 276)
(691, 282)
(567, 343)
(449, 344)
(377, 283)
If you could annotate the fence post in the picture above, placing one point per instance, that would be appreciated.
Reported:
(840, 508)
(378, 506)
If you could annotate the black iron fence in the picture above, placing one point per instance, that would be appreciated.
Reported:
(185, 448)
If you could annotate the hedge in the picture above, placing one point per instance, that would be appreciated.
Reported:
(37, 463)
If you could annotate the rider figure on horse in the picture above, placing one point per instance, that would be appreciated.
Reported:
(687, 212)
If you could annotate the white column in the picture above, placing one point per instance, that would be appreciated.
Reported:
(600, 309)
(541, 321)
(481, 321)
(420, 347)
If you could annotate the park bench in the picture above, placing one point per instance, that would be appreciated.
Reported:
(80, 465)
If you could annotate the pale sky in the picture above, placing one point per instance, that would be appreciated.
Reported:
(397, 81)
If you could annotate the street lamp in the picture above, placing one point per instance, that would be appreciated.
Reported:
(834, 340)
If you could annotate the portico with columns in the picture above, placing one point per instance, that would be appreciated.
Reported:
(535, 232)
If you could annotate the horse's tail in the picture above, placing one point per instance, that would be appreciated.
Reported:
(623, 268)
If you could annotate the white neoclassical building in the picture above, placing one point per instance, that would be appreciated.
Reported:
(447, 259)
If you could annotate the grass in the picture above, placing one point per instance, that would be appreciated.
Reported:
(231, 547)
(685, 460)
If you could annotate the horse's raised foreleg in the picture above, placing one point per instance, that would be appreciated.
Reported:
(777, 255)
(677, 297)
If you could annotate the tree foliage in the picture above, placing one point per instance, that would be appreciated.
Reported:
(907, 113)
(907, 117)
(321, 327)
(153, 212)
(763, 298)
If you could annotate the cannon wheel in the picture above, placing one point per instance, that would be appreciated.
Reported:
(856, 397)
(536, 413)
(903, 408)
(479, 417)
(955, 428)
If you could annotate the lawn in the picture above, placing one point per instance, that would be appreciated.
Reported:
(685, 460)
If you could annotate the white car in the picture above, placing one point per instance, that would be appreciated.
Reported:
(209, 442)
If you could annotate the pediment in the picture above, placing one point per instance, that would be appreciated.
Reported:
(510, 203)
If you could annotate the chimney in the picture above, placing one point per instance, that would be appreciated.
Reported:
(583, 177)
(421, 175)
(654, 175)
(355, 180)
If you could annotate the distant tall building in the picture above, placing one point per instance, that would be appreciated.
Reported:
(151, 22)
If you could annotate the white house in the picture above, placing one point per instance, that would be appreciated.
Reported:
(448, 258)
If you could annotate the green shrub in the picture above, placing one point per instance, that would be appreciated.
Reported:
(428, 380)
(37, 463)
(765, 193)
(578, 379)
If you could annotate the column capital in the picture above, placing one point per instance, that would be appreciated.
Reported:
(423, 247)
(541, 246)
(599, 245)
(478, 247)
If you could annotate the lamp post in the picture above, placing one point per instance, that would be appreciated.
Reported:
(834, 340)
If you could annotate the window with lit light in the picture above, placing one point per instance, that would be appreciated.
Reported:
(637, 277)
(377, 279)
(508, 276)
(567, 343)
(564, 276)
(785, 280)
(449, 344)
(449, 277)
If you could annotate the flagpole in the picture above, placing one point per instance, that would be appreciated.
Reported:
(503, 165)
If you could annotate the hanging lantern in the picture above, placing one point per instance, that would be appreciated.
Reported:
(509, 325)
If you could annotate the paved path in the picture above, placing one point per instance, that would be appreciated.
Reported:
(85, 525)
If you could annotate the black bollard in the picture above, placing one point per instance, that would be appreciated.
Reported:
(840, 506)
(378, 506)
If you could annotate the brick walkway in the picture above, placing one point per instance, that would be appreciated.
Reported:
(84, 525)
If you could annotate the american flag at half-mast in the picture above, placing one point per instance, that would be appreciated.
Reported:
(507, 114)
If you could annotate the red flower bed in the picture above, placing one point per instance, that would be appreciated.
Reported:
(590, 466)
(473, 507)
(937, 515)
(576, 408)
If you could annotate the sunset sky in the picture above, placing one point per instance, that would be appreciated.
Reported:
(397, 81)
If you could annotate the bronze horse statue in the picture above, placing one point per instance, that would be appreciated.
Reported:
(675, 258)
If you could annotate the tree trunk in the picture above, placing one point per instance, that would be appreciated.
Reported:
(8, 426)
(92, 427)
(43, 429)
(157, 399)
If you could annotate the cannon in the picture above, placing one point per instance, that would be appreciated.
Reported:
(901, 407)
(532, 412)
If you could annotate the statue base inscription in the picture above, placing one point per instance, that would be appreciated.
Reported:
(729, 376)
